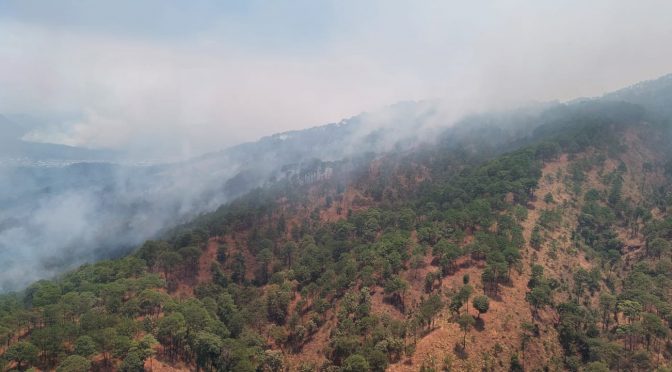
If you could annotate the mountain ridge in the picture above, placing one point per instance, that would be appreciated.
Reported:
(509, 242)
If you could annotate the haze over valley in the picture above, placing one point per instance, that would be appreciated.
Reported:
(335, 186)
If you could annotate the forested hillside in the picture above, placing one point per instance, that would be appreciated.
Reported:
(521, 242)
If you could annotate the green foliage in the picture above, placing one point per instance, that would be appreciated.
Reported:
(658, 248)
(550, 218)
(586, 280)
(446, 253)
(520, 212)
(539, 297)
(630, 309)
(466, 322)
(514, 364)
(42, 293)
(207, 347)
(541, 290)
(277, 301)
(355, 363)
(133, 362)
(429, 309)
(22, 352)
(85, 346)
(481, 304)
(74, 363)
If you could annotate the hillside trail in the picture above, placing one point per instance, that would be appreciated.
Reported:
(500, 336)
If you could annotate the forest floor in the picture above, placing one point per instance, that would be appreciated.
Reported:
(499, 333)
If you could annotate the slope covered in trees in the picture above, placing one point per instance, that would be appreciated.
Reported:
(512, 243)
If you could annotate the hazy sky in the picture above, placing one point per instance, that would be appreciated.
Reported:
(178, 78)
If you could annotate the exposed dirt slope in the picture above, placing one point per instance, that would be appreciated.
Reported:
(499, 333)
(491, 344)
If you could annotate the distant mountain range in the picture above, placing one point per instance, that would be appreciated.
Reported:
(14, 150)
